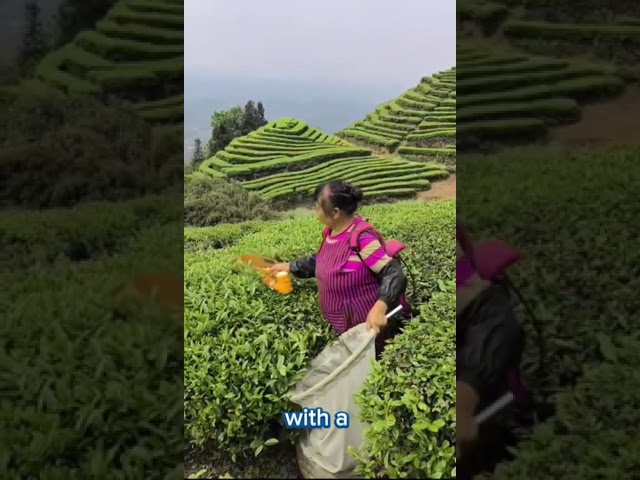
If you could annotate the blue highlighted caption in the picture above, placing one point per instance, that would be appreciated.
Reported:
(315, 418)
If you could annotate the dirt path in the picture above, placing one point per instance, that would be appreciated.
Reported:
(616, 121)
(444, 190)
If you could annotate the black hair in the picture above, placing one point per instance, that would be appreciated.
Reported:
(341, 195)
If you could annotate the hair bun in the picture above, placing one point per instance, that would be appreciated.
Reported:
(356, 193)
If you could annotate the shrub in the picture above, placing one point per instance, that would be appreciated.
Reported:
(85, 232)
(492, 83)
(575, 198)
(120, 49)
(361, 172)
(595, 430)
(553, 109)
(579, 88)
(56, 144)
(209, 201)
(372, 138)
(94, 382)
(500, 129)
(409, 399)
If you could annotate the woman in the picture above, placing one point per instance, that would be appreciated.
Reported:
(489, 343)
(353, 288)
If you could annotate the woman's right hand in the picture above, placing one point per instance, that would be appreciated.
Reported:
(280, 267)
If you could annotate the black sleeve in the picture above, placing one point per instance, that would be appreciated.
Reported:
(493, 343)
(393, 283)
(304, 267)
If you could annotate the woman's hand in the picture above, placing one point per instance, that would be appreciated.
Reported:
(280, 267)
(377, 317)
(466, 434)
(466, 427)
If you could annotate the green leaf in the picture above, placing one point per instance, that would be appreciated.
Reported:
(199, 474)
(606, 347)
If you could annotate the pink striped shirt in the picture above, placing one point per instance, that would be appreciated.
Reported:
(371, 250)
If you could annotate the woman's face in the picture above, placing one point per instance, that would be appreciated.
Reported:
(328, 220)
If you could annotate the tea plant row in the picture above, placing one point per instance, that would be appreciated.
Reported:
(507, 95)
(618, 43)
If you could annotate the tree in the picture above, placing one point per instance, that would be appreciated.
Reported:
(253, 117)
(261, 116)
(233, 123)
(34, 45)
(198, 154)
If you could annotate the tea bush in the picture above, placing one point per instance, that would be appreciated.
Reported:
(409, 399)
(78, 234)
(508, 95)
(245, 345)
(134, 44)
(209, 201)
(571, 214)
(574, 216)
(596, 432)
(81, 368)
(54, 144)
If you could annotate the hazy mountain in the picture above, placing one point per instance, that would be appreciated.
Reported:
(326, 106)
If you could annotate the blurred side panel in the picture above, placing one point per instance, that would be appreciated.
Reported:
(91, 239)
(548, 162)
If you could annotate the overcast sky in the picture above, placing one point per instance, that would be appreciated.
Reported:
(335, 41)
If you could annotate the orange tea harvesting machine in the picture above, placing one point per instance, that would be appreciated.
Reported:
(280, 282)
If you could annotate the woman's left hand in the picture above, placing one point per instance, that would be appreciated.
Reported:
(377, 317)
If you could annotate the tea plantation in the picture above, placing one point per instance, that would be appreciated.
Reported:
(287, 159)
(246, 345)
(609, 30)
(580, 276)
(133, 56)
(506, 95)
(540, 62)
(420, 124)
(82, 366)
(569, 210)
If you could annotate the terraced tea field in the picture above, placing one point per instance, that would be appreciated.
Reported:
(134, 55)
(531, 66)
(287, 159)
(547, 63)
(606, 29)
(420, 124)
(508, 95)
